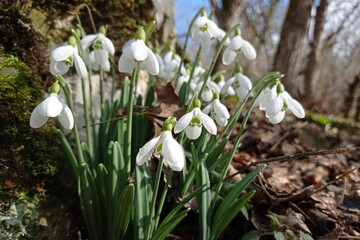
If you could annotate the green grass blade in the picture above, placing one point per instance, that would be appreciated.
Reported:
(70, 156)
(123, 211)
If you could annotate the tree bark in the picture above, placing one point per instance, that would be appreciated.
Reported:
(288, 55)
(315, 45)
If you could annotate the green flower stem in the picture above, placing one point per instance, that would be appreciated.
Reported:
(113, 73)
(101, 73)
(221, 44)
(237, 141)
(130, 118)
(162, 199)
(197, 58)
(87, 118)
(70, 103)
(92, 109)
(185, 44)
(153, 198)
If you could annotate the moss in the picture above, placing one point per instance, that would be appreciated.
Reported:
(23, 150)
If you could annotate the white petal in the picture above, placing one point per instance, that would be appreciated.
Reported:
(146, 151)
(207, 95)
(228, 56)
(168, 57)
(80, 66)
(192, 132)
(277, 118)
(126, 64)
(62, 53)
(107, 66)
(213, 29)
(236, 43)
(274, 106)
(58, 67)
(108, 45)
(208, 123)
(241, 93)
(213, 86)
(173, 153)
(127, 44)
(183, 122)
(207, 109)
(88, 40)
(220, 109)
(248, 50)
(66, 117)
(36, 119)
(295, 107)
(269, 94)
(151, 63)
(244, 81)
(221, 121)
(227, 84)
(101, 56)
(51, 106)
(137, 51)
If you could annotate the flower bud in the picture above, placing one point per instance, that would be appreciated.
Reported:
(140, 34)
(72, 41)
(102, 30)
(55, 87)
(237, 32)
(280, 88)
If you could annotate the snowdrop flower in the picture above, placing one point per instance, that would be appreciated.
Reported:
(171, 65)
(192, 122)
(138, 52)
(182, 79)
(95, 65)
(101, 44)
(217, 111)
(52, 107)
(62, 58)
(207, 94)
(204, 30)
(237, 44)
(240, 83)
(265, 97)
(198, 73)
(221, 35)
(275, 109)
(221, 83)
(166, 146)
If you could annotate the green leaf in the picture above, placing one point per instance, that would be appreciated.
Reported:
(87, 157)
(165, 229)
(149, 29)
(143, 192)
(252, 235)
(279, 235)
(234, 193)
(214, 153)
(123, 211)
(78, 43)
(182, 94)
(89, 202)
(219, 226)
(70, 156)
(101, 181)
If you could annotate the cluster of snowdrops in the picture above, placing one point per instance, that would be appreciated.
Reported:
(195, 84)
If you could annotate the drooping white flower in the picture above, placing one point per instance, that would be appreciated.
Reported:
(169, 65)
(207, 94)
(240, 83)
(101, 44)
(95, 65)
(138, 52)
(217, 111)
(275, 109)
(265, 97)
(204, 30)
(230, 91)
(182, 79)
(237, 44)
(52, 106)
(193, 121)
(62, 58)
(166, 146)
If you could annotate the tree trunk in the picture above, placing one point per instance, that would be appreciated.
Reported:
(349, 99)
(288, 55)
(315, 45)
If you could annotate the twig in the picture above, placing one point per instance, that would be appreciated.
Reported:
(78, 8)
(303, 155)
